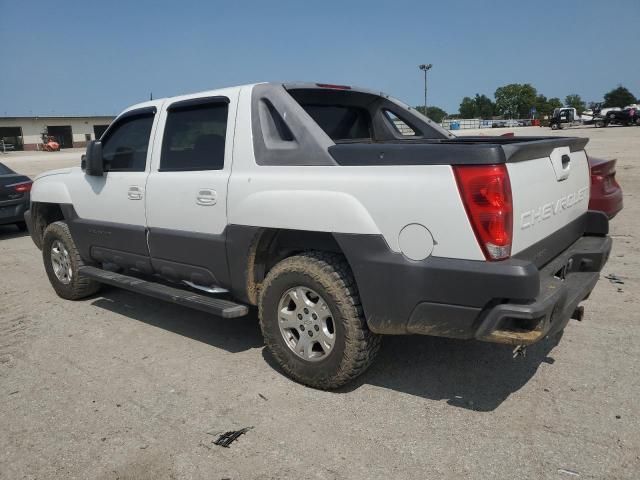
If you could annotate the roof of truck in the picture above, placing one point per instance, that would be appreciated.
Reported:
(159, 101)
(288, 85)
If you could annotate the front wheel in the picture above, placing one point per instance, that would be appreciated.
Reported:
(62, 263)
(312, 321)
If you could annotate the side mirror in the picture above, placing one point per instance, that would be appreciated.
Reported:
(92, 161)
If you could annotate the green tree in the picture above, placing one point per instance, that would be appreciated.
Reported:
(574, 100)
(485, 108)
(434, 113)
(619, 97)
(480, 106)
(554, 103)
(542, 106)
(515, 99)
(467, 108)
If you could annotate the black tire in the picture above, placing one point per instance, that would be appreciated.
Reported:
(78, 286)
(22, 226)
(355, 345)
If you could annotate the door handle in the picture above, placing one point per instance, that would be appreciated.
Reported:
(134, 193)
(206, 197)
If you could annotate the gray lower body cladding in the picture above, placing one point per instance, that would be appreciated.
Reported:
(512, 301)
(518, 300)
(176, 255)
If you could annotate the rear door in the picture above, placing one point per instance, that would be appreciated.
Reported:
(187, 189)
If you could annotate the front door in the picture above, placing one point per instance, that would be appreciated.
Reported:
(187, 190)
(111, 223)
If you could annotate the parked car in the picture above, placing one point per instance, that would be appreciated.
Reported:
(306, 201)
(626, 117)
(606, 193)
(14, 197)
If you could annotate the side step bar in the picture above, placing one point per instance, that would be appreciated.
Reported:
(216, 306)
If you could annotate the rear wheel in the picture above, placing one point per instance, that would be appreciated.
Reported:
(312, 321)
(62, 262)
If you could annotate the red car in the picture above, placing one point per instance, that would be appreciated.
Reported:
(606, 193)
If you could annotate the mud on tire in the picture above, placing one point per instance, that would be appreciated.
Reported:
(355, 346)
(77, 286)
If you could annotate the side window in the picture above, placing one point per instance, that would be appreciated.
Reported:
(400, 125)
(194, 137)
(125, 147)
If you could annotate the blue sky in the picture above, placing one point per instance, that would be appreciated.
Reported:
(91, 57)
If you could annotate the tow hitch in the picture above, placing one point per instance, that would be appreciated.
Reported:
(520, 351)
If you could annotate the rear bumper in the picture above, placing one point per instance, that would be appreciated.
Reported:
(564, 283)
(13, 213)
(511, 301)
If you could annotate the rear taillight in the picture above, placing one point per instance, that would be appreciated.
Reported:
(603, 175)
(604, 168)
(22, 187)
(486, 194)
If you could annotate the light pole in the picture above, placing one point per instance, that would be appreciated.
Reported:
(425, 67)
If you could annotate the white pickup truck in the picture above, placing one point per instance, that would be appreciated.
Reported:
(341, 213)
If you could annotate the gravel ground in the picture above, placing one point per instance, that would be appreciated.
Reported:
(120, 386)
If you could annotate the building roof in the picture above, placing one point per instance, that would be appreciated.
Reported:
(35, 117)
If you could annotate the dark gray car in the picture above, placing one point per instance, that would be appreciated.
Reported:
(14, 197)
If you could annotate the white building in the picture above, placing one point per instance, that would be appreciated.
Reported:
(70, 131)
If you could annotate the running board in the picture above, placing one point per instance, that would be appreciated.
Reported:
(216, 306)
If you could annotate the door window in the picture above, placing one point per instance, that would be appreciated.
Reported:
(194, 137)
(125, 147)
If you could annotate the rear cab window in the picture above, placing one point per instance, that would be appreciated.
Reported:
(341, 122)
(352, 116)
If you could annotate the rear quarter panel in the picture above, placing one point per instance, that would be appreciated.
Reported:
(357, 200)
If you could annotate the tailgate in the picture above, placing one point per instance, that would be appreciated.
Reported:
(549, 193)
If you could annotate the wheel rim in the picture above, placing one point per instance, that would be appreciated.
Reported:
(306, 324)
(61, 262)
